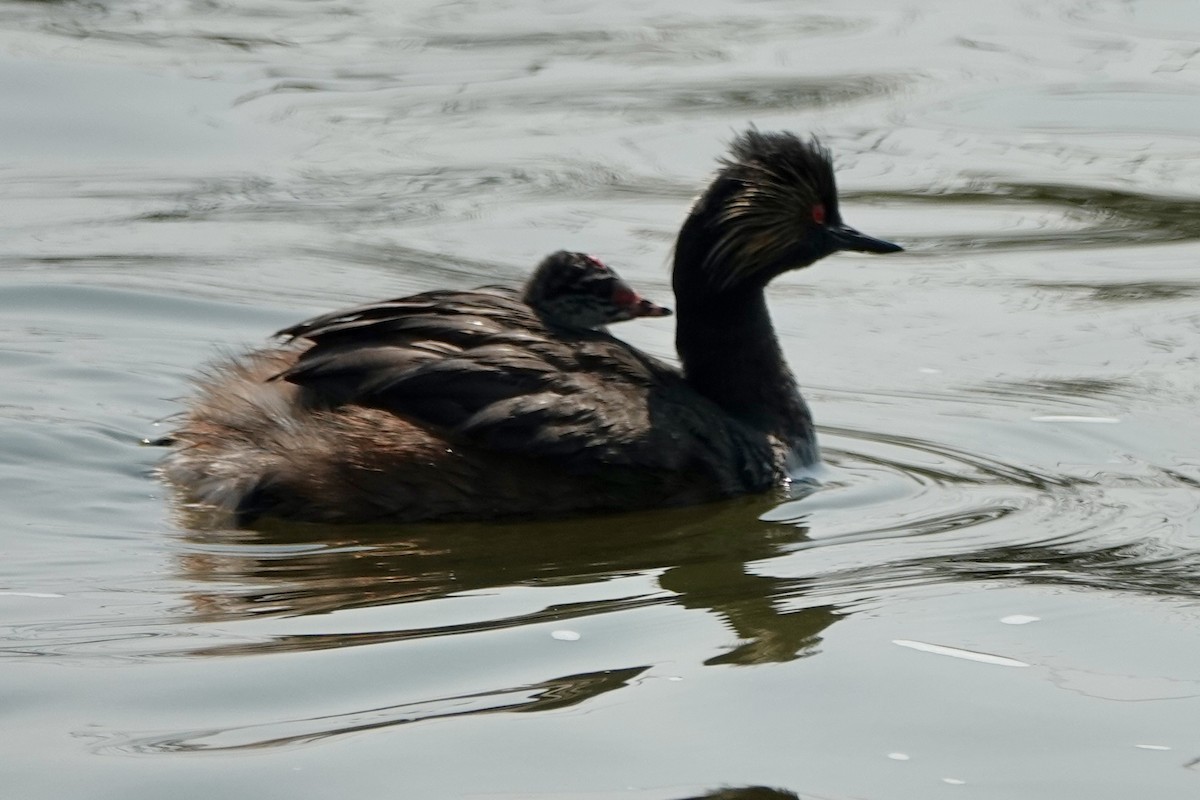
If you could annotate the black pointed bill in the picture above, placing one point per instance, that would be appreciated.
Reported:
(846, 238)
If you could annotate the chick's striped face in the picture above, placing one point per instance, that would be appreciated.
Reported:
(574, 290)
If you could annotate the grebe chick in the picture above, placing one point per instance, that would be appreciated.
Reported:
(578, 291)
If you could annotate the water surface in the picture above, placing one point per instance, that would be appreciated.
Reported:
(993, 595)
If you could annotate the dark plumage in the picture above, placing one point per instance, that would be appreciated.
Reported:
(471, 404)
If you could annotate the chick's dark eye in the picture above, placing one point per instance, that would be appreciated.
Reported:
(818, 214)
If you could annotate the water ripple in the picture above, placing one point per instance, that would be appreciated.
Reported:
(549, 695)
(1053, 216)
(969, 517)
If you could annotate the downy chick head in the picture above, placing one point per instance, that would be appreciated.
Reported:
(579, 291)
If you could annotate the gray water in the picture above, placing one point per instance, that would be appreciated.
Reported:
(992, 596)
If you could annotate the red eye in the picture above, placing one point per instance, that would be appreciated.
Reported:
(597, 263)
(818, 214)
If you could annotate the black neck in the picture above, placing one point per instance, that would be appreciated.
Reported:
(730, 353)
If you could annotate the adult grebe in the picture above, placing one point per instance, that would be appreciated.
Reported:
(470, 405)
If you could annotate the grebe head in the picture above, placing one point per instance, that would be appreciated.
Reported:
(578, 291)
(772, 207)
